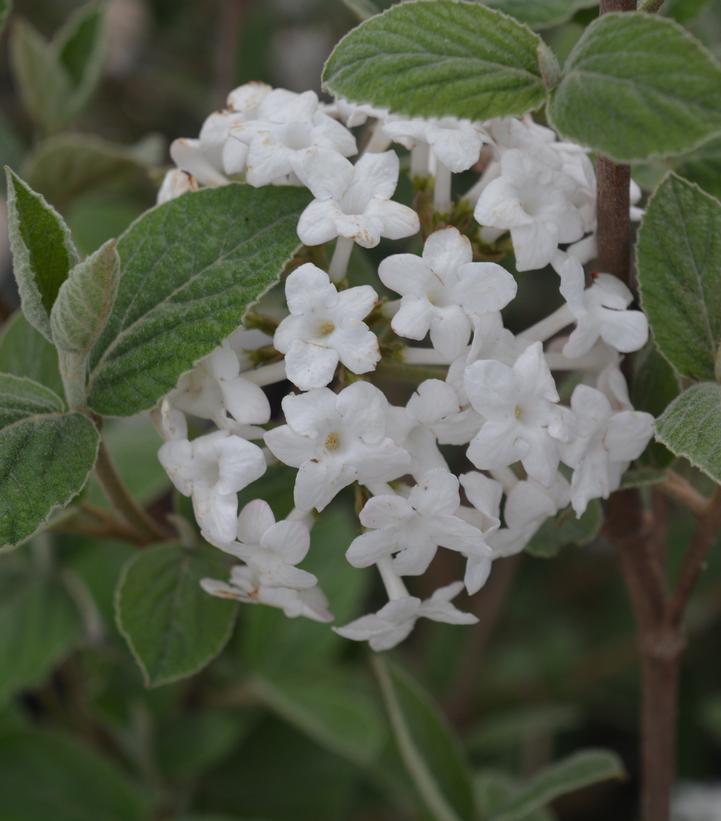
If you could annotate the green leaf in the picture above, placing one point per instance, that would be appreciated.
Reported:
(493, 789)
(25, 352)
(44, 775)
(189, 270)
(573, 773)
(363, 8)
(67, 166)
(331, 708)
(541, 15)
(21, 397)
(85, 300)
(172, 626)
(520, 725)
(5, 8)
(431, 753)
(703, 167)
(566, 529)
(80, 47)
(436, 58)
(637, 86)
(690, 427)
(39, 625)
(44, 463)
(43, 83)
(679, 271)
(43, 251)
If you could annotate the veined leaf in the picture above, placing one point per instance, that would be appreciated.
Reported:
(25, 352)
(541, 15)
(439, 57)
(80, 47)
(189, 270)
(21, 397)
(637, 86)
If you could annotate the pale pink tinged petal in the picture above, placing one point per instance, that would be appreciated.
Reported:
(317, 224)
(543, 455)
(399, 221)
(309, 366)
(436, 493)
(289, 447)
(407, 275)
(378, 173)
(309, 413)
(413, 320)
(450, 331)
(484, 287)
(188, 156)
(216, 513)
(357, 347)
(532, 372)
(363, 408)
(494, 446)
(356, 303)
(478, 569)
(491, 387)
(289, 539)
(445, 251)
(309, 287)
(385, 511)
(372, 546)
(245, 401)
(253, 521)
(625, 331)
(483, 493)
(628, 434)
(241, 463)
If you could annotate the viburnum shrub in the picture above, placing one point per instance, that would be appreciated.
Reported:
(326, 284)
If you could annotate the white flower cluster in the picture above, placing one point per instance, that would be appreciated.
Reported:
(527, 456)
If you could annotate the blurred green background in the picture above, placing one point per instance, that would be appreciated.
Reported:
(287, 723)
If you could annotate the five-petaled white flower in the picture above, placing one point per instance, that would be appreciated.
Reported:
(271, 549)
(412, 529)
(334, 440)
(213, 469)
(455, 143)
(523, 421)
(606, 441)
(287, 129)
(394, 621)
(531, 197)
(600, 311)
(354, 201)
(325, 327)
(443, 288)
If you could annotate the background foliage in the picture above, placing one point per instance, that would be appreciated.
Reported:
(289, 721)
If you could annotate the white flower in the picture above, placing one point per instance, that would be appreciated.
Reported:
(522, 420)
(325, 327)
(271, 549)
(455, 143)
(413, 529)
(287, 129)
(213, 469)
(215, 390)
(354, 201)
(175, 183)
(532, 198)
(334, 440)
(604, 445)
(600, 311)
(527, 507)
(444, 287)
(485, 495)
(245, 586)
(395, 621)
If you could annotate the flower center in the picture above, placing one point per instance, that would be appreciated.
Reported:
(518, 411)
(326, 328)
(332, 441)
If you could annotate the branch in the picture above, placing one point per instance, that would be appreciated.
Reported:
(681, 490)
